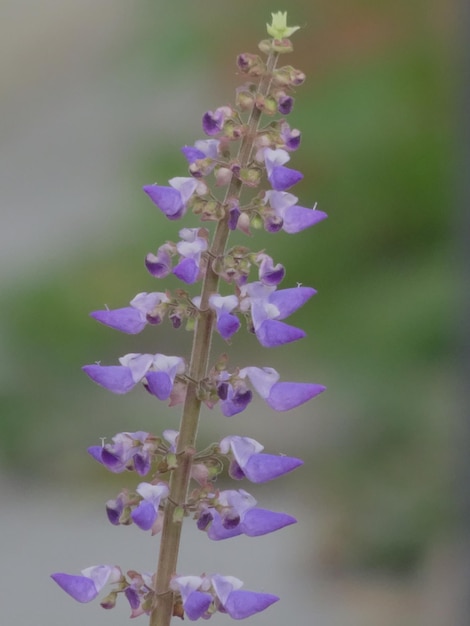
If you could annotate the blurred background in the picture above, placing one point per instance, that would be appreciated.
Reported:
(97, 98)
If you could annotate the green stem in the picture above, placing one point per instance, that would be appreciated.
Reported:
(180, 477)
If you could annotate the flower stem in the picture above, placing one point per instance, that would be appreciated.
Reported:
(180, 477)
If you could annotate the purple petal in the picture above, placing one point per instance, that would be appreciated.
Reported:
(158, 265)
(285, 396)
(144, 515)
(80, 588)
(116, 378)
(192, 154)
(187, 270)
(285, 105)
(235, 471)
(167, 199)
(236, 403)
(197, 604)
(261, 522)
(282, 178)
(234, 214)
(212, 122)
(289, 300)
(227, 325)
(127, 320)
(96, 452)
(272, 333)
(241, 604)
(261, 468)
(159, 384)
(112, 461)
(217, 530)
(297, 218)
(114, 509)
(142, 464)
(132, 597)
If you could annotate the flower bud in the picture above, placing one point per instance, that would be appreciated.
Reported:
(251, 64)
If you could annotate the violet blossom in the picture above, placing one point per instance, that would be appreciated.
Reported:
(222, 593)
(145, 308)
(157, 371)
(268, 306)
(85, 587)
(128, 451)
(280, 177)
(173, 200)
(235, 513)
(249, 461)
(227, 324)
(290, 217)
(145, 515)
(190, 248)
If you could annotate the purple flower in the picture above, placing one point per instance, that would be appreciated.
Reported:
(238, 603)
(195, 601)
(145, 308)
(138, 592)
(202, 595)
(235, 397)
(234, 214)
(285, 104)
(128, 451)
(213, 121)
(206, 151)
(172, 201)
(290, 138)
(280, 396)
(250, 463)
(159, 265)
(158, 370)
(145, 515)
(269, 274)
(86, 587)
(190, 249)
(235, 513)
(115, 508)
(293, 218)
(280, 177)
(269, 306)
(227, 324)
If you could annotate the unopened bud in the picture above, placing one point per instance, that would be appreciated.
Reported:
(251, 64)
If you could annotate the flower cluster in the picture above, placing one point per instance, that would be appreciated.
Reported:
(175, 479)
(198, 596)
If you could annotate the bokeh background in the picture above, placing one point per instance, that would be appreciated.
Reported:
(97, 98)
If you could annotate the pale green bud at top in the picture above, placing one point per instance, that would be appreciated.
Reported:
(278, 29)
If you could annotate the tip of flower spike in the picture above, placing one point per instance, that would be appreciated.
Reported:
(278, 28)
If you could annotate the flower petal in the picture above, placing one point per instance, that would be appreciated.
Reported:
(287, 301)
(227, 325)
(187, 270)
(261, 468)
(298, 218)
(282, 178)
(144, 515)
(272, 333)
(127, 320)
(258, 522)
(159, 384)
(197, 604)
(116, 378)
(167, 199)
(80, 588)
(285, 396)
(241, 604)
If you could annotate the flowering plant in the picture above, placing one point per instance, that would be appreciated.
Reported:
(178, 480)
